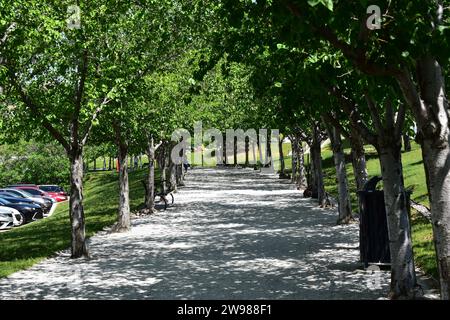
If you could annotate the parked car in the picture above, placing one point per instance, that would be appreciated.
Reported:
(51, 188)
(28, 211)
(9, 218)
(25, 195)
(13, 199)
(35, 191)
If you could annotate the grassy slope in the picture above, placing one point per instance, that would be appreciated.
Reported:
(22, 247)
(414, 176)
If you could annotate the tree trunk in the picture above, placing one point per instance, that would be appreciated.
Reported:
(294, 159)
(301, 175)
(123, 217)
(312, 176)
(316, 157)
(78, 244)
(403, 277)
(282, 165)
(224, 146)
(162, 166)
(387, 141)
(269, 152)
(358, 159)
(258, 143)
(345, 208)
(437, 165)
(179, 174)
(150, 191)
(235, 152)
(434, 139)
(406, 142)
(110, 164)
(95, 164)
(172, 175)
(247, 150)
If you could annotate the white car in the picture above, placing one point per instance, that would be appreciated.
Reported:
(9, 218)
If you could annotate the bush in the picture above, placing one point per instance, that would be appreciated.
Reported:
(33, 162)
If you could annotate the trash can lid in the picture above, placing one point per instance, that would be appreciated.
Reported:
(371, 184)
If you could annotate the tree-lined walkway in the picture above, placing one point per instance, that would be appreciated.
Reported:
(233, 234)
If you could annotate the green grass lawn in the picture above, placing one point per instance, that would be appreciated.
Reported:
(22, 247)
(414, 176)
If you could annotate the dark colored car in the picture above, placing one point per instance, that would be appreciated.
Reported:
(13, 199)
(25, 195)
(28, 211)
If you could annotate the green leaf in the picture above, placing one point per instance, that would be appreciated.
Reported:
(326, 3)
(313, 3)
(442, 28)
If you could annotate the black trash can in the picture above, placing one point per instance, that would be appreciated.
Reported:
(373, 228)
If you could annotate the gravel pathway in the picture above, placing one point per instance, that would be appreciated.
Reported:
(232, 234)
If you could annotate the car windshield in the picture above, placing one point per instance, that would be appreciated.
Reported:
(33, 191)
(51, 188)
(21, 193)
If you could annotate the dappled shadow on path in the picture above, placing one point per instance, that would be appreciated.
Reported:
(232, 234)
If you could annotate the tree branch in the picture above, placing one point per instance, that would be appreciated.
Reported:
(79, 88)
(80, 85)
(355, 55)
(93, 118)
(374, 113)
(159, 145)
(401, 117)
(36, 112)
(412, 98)
(390, 115)
(350, 108)
(7, 33)
(90, 125)
(329, 117)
